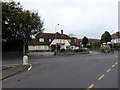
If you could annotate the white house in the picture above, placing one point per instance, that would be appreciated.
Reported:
(48, 42)
(116, 38)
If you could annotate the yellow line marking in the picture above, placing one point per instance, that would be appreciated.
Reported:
(101, 77)
(108, 70)
(91, 86)
(113, 65)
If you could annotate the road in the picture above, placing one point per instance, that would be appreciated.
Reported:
(75, 71)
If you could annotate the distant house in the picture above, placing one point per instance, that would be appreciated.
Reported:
(48, 42)
(90, 41)
(116, 38)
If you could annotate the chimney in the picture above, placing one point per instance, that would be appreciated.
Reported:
(61, 31)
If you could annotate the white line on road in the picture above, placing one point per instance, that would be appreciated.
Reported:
(113, 66)
(91, 86)
(30, 67)
(108, 70)
(101, 77)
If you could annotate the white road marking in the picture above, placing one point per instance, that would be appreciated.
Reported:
(108, 70)
(101, 77)
(30, 67)
(113, 66)
(91, 86)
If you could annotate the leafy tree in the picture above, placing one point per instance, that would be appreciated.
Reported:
(18, 23)
(85, 41)
(118, 32)
(106, 37)
(71, 35)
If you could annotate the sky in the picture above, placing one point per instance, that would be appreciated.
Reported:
(90, 18)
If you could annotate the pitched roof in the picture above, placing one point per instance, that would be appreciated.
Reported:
(93, 40)
(46, 37)
(115, 35)
(53, 35)
(75, 41)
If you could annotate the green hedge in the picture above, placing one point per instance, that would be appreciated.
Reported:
(80, 50)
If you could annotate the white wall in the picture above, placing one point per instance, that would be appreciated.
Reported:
(115, 40)
(65, 41)
(38, 47)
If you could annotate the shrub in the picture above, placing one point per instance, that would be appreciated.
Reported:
(80, 50)
(89, 46)
(62, 50)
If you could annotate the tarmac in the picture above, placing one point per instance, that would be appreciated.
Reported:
(7, 71)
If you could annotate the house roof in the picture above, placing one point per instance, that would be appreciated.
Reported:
(115, 35)
(75, 41)
(93, 40)
(53, 35)
(46, 37)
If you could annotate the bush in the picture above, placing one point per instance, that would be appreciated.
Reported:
(80, 50)
(89, 46)
(116, 46)
(62, 50)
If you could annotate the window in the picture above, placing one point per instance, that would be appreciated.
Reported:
(75, 40)
(49, 40)
(58, 40)
(45, 47)
(69, 40)
(38, 47)
(61, 46)
(67, 47)
(62, 41)
(41, 39)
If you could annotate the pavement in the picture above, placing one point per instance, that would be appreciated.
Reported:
(8, 71)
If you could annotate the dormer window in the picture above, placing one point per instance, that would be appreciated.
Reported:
(49, 40)
(41, 39)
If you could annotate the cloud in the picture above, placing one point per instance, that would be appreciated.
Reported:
(82, 17)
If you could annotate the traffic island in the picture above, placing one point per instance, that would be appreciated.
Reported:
(72, 53)
(12, 71)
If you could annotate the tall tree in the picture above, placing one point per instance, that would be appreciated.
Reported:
(72, 35)
(18, 23)
(85, 41)
(106, 37)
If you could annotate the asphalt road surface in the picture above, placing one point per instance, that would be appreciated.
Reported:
(75, 71)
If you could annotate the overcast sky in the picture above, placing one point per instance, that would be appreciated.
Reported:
(88, 18)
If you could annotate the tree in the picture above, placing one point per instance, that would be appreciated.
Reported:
(18, 23)
(85, 41)
(106, 37)
(71, 35)
(118, 32)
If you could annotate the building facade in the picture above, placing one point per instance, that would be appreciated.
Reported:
(48, 42)
(116, 38)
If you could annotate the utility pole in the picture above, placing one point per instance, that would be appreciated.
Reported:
(112, 43)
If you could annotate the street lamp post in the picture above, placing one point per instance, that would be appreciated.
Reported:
(55, 51)
(112, 43)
